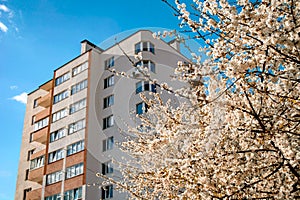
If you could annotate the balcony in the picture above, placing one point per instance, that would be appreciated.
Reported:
(45, 101)
(36, 175)
(38, 154)
(41, 135)
(47, 86)
(34, 194)
(42, 114)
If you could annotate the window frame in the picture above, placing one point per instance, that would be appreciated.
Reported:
(57, 134)
(55, 177)
(142, 86)
(107, 168)
(62, 78)
(42, 123)
(108, 122)
(108, 143)
(59, 154)
(60, 96)
(108, 101)
(143, 109)
(77, 168)
(77, 106)
(70, 194)
(78, 146)
(109, 63)
(107, 192)
(60, 114)
(79, 87)
(149, 64)
(140, 47)
(37, 162)
(109, 81)
(81, 68)
(82, 121)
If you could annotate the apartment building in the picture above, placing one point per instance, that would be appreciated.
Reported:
(73, 121)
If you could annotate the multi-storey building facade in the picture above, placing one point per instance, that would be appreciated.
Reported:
(73, 121)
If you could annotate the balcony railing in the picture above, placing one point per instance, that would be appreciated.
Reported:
(36, 175)
(40, 135)
(45, 101)
(34, 194)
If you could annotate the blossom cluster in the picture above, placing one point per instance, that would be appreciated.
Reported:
(236, 133)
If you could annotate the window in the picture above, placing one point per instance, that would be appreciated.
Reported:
(61, 96)
(78, 87)
(59, 114)
(53, 197)
(56, 135)
(74, 170)
(62, 78)
(35, 102)
(26, 174)
(108, 122)
(77, 106)
(76, 147)
(37, 162)
(54, 177)
(108, 143)
(148, 64)
(107, 168)
(79, 69)
(141, 108)
(144, 86)
(109, 63)
(74, 194)
(109, 81)
(107, 192)
(108, 101)
(76, 126)
(56, 155)
(41, 124)
(32, 119)
(29, 153)
(31, 137)
(144, 46)
(25, 193)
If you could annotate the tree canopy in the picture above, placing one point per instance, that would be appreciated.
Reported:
(236, 134)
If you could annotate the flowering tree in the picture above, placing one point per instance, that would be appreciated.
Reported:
(237, 133)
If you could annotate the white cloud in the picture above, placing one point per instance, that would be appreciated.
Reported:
(3, 27)
(22, 98)
(13, 87)
(4, 8)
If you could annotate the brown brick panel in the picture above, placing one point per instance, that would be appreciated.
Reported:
(38, 154)
(42, 114)
(53, 189)
(45, 101)
(34, 194)
(36, 175)
(74, 182)
(41, 135)
(75, 159)
(54, 167)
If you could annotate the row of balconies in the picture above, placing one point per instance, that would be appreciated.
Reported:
(36, 175)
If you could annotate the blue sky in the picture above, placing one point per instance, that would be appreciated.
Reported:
(38, 36)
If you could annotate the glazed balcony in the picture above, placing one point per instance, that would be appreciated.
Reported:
(34, 194)
(40, 135)
(36, 175)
